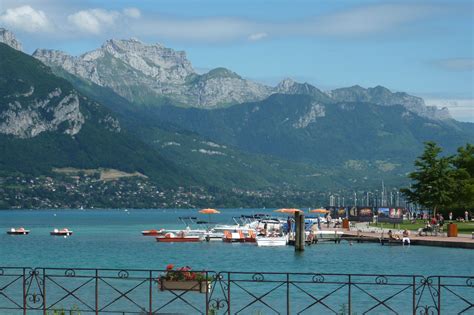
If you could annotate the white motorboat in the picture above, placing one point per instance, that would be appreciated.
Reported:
(61, 232)
(18, 231)
(272, 240)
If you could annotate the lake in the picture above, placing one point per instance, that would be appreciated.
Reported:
(112, 239)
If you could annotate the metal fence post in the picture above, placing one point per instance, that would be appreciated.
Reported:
(349, 297)
(150, 294)
(44, 291)
(439, 295)
(413, 302)
(24, 292)
(288, 294)
(228, 293)
(96, 291)
(207, 292)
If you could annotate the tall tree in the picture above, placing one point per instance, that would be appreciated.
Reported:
(464, 175)
(433, 179)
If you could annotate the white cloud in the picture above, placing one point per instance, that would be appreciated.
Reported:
(202, 29)
(93, 21)
(460, 109)
(355, 21)
(257, 36)
(456, 64)
(26, 18)
(368, 19)
(359, 21)
(132, 12)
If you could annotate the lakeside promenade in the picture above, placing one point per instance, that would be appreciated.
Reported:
(361, 232)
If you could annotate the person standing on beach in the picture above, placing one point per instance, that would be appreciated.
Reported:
(319, 223)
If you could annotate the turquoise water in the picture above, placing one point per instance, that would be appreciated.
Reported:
(112, 239)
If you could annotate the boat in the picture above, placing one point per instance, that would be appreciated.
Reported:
(272, 240)
(18, 231)
(233, 237)
(181, 237)
(153, 232)
(62, 232)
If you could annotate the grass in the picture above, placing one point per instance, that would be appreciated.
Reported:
(463, 227)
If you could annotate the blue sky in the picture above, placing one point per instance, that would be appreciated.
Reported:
(425, 48)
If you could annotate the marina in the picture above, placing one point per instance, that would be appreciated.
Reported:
(267, 229)
(101, 234)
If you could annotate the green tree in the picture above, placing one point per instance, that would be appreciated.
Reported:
(433, 180)
(464, 176)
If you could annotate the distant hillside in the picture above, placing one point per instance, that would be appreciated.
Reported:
(300, 128)
(334, 144)
(215, 163)
(46, 123)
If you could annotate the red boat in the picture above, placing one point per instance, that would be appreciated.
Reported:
(18, 231)
(180, 238)
(62, 232)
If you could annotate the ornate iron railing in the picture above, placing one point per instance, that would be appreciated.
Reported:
(119, 291)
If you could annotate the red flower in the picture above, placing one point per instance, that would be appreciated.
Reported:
(170, 267)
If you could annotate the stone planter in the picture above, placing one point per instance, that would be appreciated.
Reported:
(197, 286)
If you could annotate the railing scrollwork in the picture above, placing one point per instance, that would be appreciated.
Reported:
(130, 291)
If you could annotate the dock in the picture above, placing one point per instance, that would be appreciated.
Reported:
(463, 241)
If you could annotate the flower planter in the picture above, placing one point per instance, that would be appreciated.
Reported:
(188, 285)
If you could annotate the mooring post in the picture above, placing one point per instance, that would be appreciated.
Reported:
(297, 228)
(299, 232)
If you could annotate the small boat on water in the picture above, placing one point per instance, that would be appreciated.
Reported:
(18, 231)
(181, 237)
(62, 232)
(153, 232)
(272, 240)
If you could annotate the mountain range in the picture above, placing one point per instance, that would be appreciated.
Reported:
(153, 74)
(143, 108)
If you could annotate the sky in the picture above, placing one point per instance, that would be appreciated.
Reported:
(425, 48)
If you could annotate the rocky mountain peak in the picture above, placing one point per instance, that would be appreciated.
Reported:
(285, 84)
(139, 55)
(380, 95)
(221, 73)
(9, 38)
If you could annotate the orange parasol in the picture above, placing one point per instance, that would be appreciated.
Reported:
(319, 211)
(209, 212)
(290, 211)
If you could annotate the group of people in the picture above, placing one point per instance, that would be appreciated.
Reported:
(461, 219)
